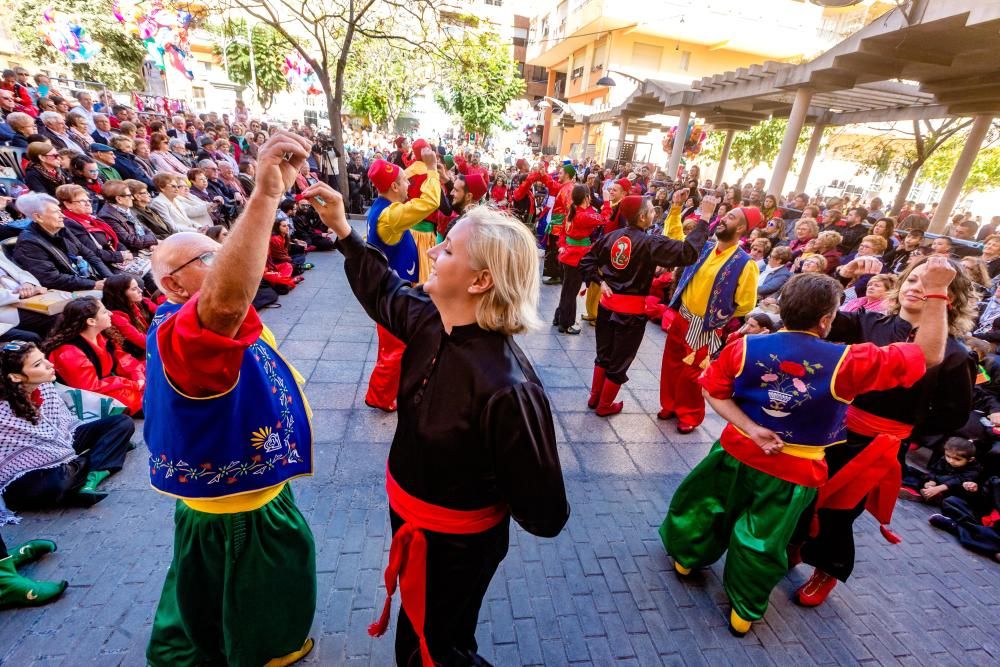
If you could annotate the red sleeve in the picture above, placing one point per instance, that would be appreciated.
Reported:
(276, 250)
(201, 362)
(719, 378)
(130, 367)
(522, 190)
(867, 367)
(461, 165)
(125, 327)
(76, 371)
(552, 184)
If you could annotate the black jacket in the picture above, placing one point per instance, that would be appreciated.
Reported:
(37, 181)
(96, 242)
(127, 166)
(125, 229)
(50, 259)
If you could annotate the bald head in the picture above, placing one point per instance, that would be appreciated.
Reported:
(173, 252)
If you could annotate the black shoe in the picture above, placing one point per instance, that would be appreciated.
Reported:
(86, 498)
(571, 330)
(946, 524)
(551, 281)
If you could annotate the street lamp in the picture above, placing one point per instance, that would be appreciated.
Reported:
(608, 82)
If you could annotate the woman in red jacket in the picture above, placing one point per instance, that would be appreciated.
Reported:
(131, 312)
(86, 359)
(574, 244)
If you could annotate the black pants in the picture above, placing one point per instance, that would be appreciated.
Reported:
(3, 549)
(20, 334)
(572, 279)
(101, 445)
(832, 550)
(618, 339)
(550, 267)
(32, 326)
(972, 534)
(459, 570)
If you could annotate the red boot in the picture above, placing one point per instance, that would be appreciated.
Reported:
(595, 387)
(606, 407)
(814, 592)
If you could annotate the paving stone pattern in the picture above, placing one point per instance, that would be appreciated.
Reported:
(601, 593)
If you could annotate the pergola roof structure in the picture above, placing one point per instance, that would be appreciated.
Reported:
(931, 59)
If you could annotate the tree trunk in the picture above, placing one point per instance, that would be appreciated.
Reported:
(905, 186)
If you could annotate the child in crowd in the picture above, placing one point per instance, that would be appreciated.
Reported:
(756, 323)
(976, 522)
(954, 474)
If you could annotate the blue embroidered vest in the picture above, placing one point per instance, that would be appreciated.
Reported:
(255, 436)
(786, 384)
(402, 256)
(722, 300)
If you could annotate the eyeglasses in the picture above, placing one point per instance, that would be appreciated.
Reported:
(128, 195)
(207, 258)
(79, 201)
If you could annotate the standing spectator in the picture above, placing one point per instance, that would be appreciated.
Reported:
(989, 228)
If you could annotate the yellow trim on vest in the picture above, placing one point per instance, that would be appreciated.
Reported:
(811, 452)
(243, 502)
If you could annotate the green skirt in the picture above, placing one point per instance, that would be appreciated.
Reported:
(723, 505)
(241, 588)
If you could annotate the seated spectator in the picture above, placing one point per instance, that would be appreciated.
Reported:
(179, 149)
(44, 173)
(956, 473)
(23, 126)
(104, 155)
(991, 255)
(199, 205)
(776, 274)
(117, 212)
(886, 228)
(76, 129)
(247, 172)
(280, 259)
(811, 264)
(826, 245)
(875, 212)
(131, 312)
(102, 128)
(54, 129)
(909, 249)
(217, 233)
(84, 358)
(84, 172)
(162, 159)
(978, 273)
(153, 221)
(52, 254)
(125, 161)
(913, 221)
(759, 250)
(89, 231)
(853, 274)
(141, 157)
(49, 458)
(806, 229)
(16, 323)
(876, 296)
(756, 323)
(168, 204)
(309, 229)
(976, 521)
(942, 246)
(17, 590)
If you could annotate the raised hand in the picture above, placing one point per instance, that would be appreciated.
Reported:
(279, 161)
(938, 275)
(329, 205)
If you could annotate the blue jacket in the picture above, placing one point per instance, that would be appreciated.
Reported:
(129, 168)
(774, 281)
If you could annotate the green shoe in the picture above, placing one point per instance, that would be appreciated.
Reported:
(31, 551)
(94, 479)
(18, 591)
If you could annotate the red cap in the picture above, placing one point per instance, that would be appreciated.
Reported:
(476, 185)
(418, 146)
(521, 163)
(753, 216)
(399, 141)
(625, 184)
(383, 174)
(630, 207)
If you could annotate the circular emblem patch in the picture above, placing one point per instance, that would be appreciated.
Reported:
(621, 252)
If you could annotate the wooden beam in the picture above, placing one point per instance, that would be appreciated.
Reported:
(975, 108)
(959, 83)
(906, 53)
(970, 94)
(925, 112)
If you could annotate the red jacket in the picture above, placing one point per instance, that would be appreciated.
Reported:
(120, 321)
(579, 229)
(126, 383)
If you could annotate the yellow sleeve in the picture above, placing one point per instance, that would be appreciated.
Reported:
(673, 228)
(746, 291)
(397, 217)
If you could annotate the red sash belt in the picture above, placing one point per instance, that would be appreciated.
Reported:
(874, 472)
(408, 553)
(626, 304)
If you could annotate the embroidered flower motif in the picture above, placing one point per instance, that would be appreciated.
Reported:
(769, 377)
(799, 385)
(792, 368)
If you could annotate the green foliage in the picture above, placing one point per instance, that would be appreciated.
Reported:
(119, 63)
(757, 145)
(479, 81)
(269, 51)
(885, 156)
(984, 175)
(382, 79)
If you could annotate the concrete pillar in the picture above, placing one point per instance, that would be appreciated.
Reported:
(678, 150)
(961, 172)
(550, 91)
(559, 142)
(724, 157)
(807, 163)
(796, 120)
(585, 141)
(622, 133)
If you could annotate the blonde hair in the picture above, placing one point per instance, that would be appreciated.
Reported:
(962, 312)
(828, 240)
(811, 224)
(503, 246)
(888, 280)
(879, 243)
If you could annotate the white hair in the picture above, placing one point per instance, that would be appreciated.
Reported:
(32, 203)
(50, 116)
(102, 116)
(19, 117)
(176, 141)
(207, 163)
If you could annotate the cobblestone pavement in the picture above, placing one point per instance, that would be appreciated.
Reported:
(600, 593)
